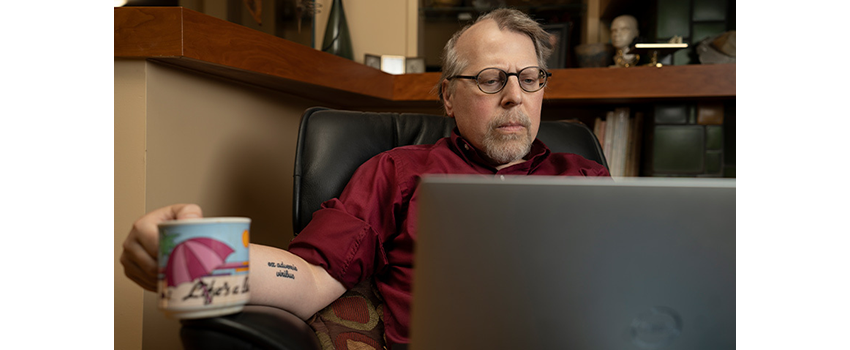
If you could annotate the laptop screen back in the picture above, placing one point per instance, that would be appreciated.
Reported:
(562, 263)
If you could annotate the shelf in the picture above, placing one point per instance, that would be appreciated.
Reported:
(608, 84)
(195, 41)
(192, 40)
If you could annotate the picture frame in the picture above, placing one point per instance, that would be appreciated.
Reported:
(373, 61)
(393, 64)
(414, 65)
(560, 33)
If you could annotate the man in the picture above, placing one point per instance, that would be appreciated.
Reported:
(369, 231)
(624, 30)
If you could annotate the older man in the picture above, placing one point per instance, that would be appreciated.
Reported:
(370, 230)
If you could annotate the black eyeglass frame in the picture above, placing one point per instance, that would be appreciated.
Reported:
(547, 74)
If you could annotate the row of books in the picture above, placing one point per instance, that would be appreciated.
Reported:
(619, 133)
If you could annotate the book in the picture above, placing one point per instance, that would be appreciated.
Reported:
(621, 138)
(599, 130)
(609, 135)
(634, 146)
(619, 134)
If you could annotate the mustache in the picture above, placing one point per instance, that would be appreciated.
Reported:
(510, 117)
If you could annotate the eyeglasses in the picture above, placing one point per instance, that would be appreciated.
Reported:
(493, 80)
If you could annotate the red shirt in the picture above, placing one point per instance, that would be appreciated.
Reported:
(370, 229)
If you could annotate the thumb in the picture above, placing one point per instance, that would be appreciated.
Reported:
(187, 211)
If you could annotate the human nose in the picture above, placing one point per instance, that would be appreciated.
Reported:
(511, 93)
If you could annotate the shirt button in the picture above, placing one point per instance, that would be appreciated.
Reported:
(466, 147)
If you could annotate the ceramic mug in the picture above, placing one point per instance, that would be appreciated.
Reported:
(203, 267)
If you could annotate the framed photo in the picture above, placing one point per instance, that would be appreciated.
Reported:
(560, 36)
(373, 61)
(415, 65)
(395, 64)
(392, 64)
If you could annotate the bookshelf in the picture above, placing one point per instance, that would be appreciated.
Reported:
(191, 40)
(203, 44)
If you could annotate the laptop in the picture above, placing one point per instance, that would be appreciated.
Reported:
(569, 263)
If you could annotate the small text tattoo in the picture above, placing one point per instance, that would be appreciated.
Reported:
(285, 269)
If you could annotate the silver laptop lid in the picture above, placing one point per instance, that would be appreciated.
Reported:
(567, 263)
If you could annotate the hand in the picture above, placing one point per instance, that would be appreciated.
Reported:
(142, 244)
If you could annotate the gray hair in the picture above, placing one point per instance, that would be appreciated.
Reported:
(510, 19)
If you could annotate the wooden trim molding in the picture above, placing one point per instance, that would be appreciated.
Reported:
(188, 39)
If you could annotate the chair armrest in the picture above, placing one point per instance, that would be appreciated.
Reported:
(256, 327)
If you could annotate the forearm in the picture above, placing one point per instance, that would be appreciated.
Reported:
(281, 279)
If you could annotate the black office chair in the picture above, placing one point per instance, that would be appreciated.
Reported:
(332, 144)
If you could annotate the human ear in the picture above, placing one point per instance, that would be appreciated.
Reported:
(447, 98)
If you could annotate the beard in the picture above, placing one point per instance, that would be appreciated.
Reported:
(506, 148)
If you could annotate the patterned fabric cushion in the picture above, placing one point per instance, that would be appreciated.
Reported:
(352, 322)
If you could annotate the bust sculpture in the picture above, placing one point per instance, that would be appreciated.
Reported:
(624, 30)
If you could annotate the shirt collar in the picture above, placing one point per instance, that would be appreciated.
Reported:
(462, 147)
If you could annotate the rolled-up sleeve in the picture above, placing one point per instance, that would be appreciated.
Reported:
(346, 236)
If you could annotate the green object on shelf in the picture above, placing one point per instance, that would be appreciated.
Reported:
(714, 162)
(337, 39)
(672, 113)
(714, 137)
(674, 18)
(678, 149)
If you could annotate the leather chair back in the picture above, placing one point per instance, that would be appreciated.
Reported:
(332, 144)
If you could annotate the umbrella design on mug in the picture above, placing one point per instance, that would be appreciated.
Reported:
(194, 258)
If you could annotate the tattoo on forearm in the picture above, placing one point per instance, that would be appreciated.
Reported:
(284, 269)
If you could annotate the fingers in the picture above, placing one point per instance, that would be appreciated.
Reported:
(186, 211)
(142, 244)
(146, 227)
(137, 274)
